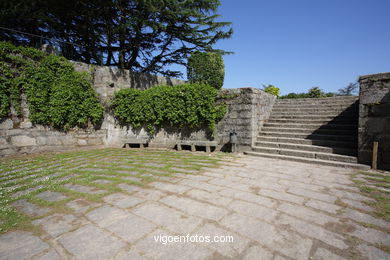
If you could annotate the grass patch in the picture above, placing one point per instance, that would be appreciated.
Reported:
(372, 188)
(25, 177)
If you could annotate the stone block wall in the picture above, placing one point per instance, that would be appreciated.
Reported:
(374, 118)
(20, 136)
(248, 108)
(107, 80)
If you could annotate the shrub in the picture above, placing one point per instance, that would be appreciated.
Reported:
(57, 95)
(314, 92)
(188, 105)
(271, 89)
(206, 68)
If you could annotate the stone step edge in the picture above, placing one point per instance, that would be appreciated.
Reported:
(319, 111)
(294, 100)
(286, 139)
(321, 98)
(265, 128)
(313, 116)
(310, 160)
(308, 152)
(317, 106)
(303, 146)
(292, 120)
(313, 125)
(271, 133)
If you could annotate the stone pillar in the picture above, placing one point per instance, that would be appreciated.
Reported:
(374, 118)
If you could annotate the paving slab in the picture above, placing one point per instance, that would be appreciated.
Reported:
(195, 208)
(20, 245)
(51, 196)
(324, 254)
(30, 209)
(49, 255)
(103, 181)
(91, 242)
(234, 246)
(131, 178)
(83, 189)
(168, 218)
(282, 241)
(128, 188)
(128, 254)
(81, 205)
(57, 224)
(257, 252)
(120, 222)
(121, 200)
(372, 253)
(157, 250)
(174, 188)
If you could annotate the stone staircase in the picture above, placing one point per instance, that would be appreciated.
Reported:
(321, 131)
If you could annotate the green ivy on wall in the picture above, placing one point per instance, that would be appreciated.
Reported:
(57, 95)
(188, 105)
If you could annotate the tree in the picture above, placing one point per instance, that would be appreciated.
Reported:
(140, 35)
(315, 92)
(271, 89)
(207, 68)
(348, 90)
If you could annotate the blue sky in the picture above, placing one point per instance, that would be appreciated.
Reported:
(298, 44)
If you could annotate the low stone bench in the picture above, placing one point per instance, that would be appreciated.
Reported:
(131, 142)
(194, 144)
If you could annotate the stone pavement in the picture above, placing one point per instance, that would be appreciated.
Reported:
(273, 210)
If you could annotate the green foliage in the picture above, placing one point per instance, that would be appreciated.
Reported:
(188, 105)
(314, 92)
(271, 89)
(206, 68)
(139, 35)
(349, 90)
(57, 95)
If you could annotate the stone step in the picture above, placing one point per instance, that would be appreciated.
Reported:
(317, 100)
(312, 121)
(320, 99)
(322, 102)
(306, 147)
(320, 114)
(316, 109)
(310, 136)
(314, 117)
(306, 154)
(325, 143)
(310, 131)
(309, 160)
(312, 126)
(315, 106)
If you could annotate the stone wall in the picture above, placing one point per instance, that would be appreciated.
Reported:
(248, 108)
(374, 118)
(19, 136)
(107, 80)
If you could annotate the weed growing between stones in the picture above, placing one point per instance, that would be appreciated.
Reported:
(88, 175)
(376, 186)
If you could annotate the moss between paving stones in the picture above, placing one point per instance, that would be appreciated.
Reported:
(26, 177)
(371, 187)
